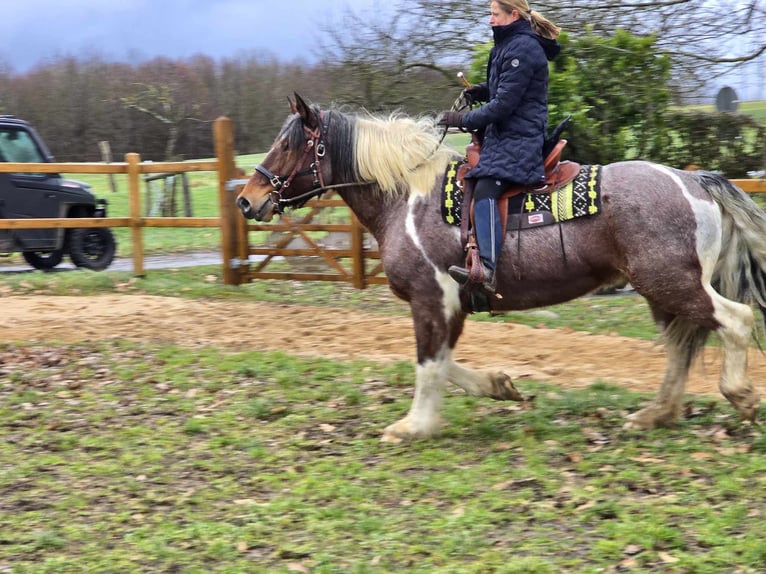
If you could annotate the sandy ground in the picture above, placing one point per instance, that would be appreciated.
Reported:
(566, 358)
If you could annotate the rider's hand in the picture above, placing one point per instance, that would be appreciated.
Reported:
(451, 119)
(473, 94)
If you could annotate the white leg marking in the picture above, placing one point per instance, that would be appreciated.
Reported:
(423, 419)
(736, 328)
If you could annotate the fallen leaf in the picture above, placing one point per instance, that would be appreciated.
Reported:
(667, 558)
(647, 459)
(629, 564)
(701, 455)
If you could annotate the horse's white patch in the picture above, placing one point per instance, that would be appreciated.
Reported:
(430, 380)
(709, 222)
(451, 297)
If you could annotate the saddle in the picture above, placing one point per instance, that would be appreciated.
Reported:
(557, 174)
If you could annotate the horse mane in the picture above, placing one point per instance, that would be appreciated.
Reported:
(402, 154)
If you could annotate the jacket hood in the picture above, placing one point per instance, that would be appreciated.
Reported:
(502, 33)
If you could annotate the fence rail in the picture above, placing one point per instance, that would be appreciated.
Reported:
(133, 168)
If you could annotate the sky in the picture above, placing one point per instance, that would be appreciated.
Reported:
(34, 31)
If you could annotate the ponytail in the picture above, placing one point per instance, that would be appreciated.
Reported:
(542, 26)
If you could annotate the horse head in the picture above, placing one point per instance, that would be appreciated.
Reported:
(293, 171)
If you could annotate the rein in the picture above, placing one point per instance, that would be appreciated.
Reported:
(315, 143)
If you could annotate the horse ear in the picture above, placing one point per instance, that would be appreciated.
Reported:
(307, 114)
(293, 107)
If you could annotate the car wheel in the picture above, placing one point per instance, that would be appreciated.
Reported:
(92, 248)
(43, 260)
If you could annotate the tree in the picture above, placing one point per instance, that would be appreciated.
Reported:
(705, 38)
(167, 99)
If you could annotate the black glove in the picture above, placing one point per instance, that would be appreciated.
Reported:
(473, 94)
(451, 119)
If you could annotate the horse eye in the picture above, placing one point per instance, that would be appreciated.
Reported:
(285, 145)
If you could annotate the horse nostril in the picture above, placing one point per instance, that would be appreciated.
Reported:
(243, 204)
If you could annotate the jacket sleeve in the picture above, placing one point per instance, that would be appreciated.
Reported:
(516, 71)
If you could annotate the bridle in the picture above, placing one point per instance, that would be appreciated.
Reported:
(314, 143)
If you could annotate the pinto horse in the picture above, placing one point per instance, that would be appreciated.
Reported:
(692, 244)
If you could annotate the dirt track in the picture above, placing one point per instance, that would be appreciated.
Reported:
(566, 358)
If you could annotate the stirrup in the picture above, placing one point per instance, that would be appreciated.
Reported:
(459, 274)
(463, 276)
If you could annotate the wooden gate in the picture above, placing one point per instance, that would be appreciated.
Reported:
(322, 241)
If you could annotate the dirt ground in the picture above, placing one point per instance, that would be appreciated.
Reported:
(563, 357)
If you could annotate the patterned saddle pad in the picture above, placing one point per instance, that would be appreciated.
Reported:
(579, 198)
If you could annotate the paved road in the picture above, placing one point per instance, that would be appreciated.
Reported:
(150, 262)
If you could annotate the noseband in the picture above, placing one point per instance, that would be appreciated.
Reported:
(315, 143)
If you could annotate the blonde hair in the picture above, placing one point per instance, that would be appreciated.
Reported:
(398, 149)
(540, 24)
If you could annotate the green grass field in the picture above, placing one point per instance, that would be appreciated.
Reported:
(756, 108)
(144, 457)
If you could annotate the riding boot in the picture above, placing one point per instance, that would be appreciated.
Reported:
(489, 237)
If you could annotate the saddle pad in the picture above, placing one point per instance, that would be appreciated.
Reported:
(452, 194)
(579, 198)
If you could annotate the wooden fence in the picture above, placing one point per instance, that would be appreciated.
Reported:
(356, 260)
(134, 169)
(358, 248)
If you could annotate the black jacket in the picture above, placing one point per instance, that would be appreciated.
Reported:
(515, 117)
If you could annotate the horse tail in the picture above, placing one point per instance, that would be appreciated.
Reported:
(740, 273)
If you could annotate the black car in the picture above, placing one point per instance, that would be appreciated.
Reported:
(46, 195)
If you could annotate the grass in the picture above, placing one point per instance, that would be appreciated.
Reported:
(755, 108)
(122, 457)
(141, 457)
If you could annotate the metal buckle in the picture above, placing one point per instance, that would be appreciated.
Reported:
(320, 150)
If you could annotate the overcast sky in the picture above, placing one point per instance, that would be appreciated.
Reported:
(33, 31)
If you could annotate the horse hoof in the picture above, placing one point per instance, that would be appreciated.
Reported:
(404, 430)
(649, 418)
(503, 388)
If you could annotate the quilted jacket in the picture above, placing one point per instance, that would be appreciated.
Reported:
(515, 118)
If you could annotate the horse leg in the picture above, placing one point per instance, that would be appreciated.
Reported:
(684, 339)
(495, 385)
(436, 333)
(735, 331)
(665, 408)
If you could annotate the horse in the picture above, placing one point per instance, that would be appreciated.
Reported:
(691, 243)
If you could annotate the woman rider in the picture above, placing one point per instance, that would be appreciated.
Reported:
(514, 120)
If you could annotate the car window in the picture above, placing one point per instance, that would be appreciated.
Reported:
(17, 146)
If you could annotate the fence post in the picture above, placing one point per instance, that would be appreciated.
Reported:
(134, 190)
(224, 151)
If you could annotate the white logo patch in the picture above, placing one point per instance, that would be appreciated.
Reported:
(515, 62)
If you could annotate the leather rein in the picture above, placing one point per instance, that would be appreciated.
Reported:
(314, 143)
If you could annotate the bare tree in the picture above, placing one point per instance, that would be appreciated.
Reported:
(706, 38)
